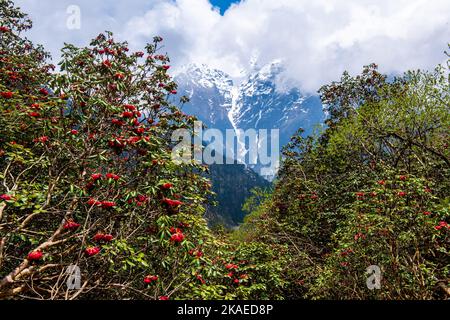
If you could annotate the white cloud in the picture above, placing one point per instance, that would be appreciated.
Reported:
(317, 39)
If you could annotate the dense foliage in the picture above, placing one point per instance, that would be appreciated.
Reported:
(87, 181)
(372, 189)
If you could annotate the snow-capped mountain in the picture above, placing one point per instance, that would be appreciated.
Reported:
(209, 91)
(262, 100)
(263, 103)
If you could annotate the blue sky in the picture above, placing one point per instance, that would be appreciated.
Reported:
(315, 39)
(223, 4)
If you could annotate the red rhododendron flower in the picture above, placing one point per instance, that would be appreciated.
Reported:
(427, 213)
(107, 64)
(93, 202)
(200, 278)
(103, 237)
(150, 279)
(71, 225)
(403, 178)
(231, 266)
(166, 67)
(442, 224)
(96, 176)
(172, 203)
(236, 281)
(42, 139)
(119, 76)
(359, 236)
(401, 193)
(133, 140)
(4, 29)
(107, 204)
(35, 255)
(43, 91)
(381, 182)
(129, 107)
(92, 251)
(5, 197)
(142, 198)
(167, 185)
(163, 298)
(127, 114)
(112, 176)
(173, 91)
(359, 195)
(147, 280)
(427, 190)
(175, 230)
(35, 106)
(117, 122)
(177, 237)
(108, 237)
(73, 131)
(139, 130)
(34, 114)
(98, 237)
(6, 95)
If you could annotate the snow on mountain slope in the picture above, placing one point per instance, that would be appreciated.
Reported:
(209, 91)
(262, 100)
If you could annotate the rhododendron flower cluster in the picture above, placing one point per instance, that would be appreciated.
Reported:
(172, 203)
(6, 95)
(6, 197)
(42, 139)
(112, 176)
(200, 278)
(359, 195)
(99, 237)
(167, 185)
(177, 235)
(150, 279)
(442, 225)
(92, 251)
(107, 204)
(35, 255)
(96, 176)
(231, 266)
(71, 225)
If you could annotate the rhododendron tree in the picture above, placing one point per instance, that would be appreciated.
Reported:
(372, 188)
(84, 153)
